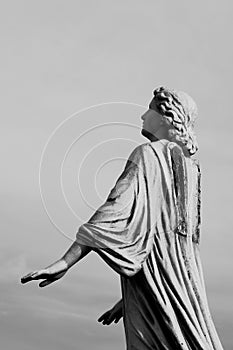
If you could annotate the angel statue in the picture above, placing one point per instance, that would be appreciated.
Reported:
(148, 231)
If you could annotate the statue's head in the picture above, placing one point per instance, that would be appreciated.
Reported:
(179, 112)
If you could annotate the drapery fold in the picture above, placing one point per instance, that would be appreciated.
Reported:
(121, 230)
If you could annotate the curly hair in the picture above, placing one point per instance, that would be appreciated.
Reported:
(180, 111)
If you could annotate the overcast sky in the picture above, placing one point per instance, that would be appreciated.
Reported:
(75, 78)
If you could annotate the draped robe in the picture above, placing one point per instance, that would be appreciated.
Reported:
(148, 231)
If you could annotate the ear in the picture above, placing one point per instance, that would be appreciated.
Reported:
(164, 123)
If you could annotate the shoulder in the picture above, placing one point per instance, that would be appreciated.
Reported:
(140, 153)
(144, 156)
(141, 149)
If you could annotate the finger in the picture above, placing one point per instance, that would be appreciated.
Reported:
(45, 283)
(25, 279)
(103, 317)
(41, 274)
(104, 321)
(34, 276)
(117, 319)
(28, 277)
(100, 319)
(109, 320)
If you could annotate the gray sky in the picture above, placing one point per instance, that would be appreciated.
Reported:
(60, 57)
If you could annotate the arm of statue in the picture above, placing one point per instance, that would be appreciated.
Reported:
(114, 314)
(58, 269)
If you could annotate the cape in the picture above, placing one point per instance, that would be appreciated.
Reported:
(148, 231)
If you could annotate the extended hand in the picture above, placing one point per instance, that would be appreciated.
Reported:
(49, 274)
(112, 315)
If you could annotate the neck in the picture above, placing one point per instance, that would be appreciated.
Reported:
(160, 134)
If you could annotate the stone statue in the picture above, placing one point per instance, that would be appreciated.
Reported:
(148, 231)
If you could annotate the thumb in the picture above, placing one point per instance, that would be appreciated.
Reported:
(46, 283)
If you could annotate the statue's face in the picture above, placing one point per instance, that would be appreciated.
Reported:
(151, 120)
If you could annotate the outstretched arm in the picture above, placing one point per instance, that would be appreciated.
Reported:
(114, 314)
(59, 268)
(75, 253)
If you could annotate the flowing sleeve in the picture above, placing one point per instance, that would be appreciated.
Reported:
(120, 230)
